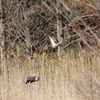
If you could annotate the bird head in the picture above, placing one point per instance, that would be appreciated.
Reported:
(26, 82)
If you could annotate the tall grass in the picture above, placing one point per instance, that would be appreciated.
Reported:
(76, 77)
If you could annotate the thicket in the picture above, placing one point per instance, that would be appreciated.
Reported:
(27, 24)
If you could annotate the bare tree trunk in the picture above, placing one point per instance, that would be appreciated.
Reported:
(28, 42)
(59, 27)
(2, 50)
(1, 33)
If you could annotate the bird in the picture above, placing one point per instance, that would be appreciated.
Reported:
(53, 44)
(32, 78)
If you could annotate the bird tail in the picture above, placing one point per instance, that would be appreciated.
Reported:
(37, 78)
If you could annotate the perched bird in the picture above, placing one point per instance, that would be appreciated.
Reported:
(53, 44)
(31, 79)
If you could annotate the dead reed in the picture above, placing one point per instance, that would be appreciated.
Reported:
(77, 77)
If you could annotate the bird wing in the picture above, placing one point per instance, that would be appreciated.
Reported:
(28, 78)
(32, 79)
(53, 44)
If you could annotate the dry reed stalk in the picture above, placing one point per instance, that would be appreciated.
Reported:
(69, 79)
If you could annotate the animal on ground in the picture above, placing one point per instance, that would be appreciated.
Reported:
(31, 79)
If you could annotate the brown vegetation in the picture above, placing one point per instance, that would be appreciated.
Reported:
(71, 72)
(76, 77)
(29, 22)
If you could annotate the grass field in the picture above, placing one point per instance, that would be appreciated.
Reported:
(76, 77)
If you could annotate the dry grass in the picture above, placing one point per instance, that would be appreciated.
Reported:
(76, 77)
